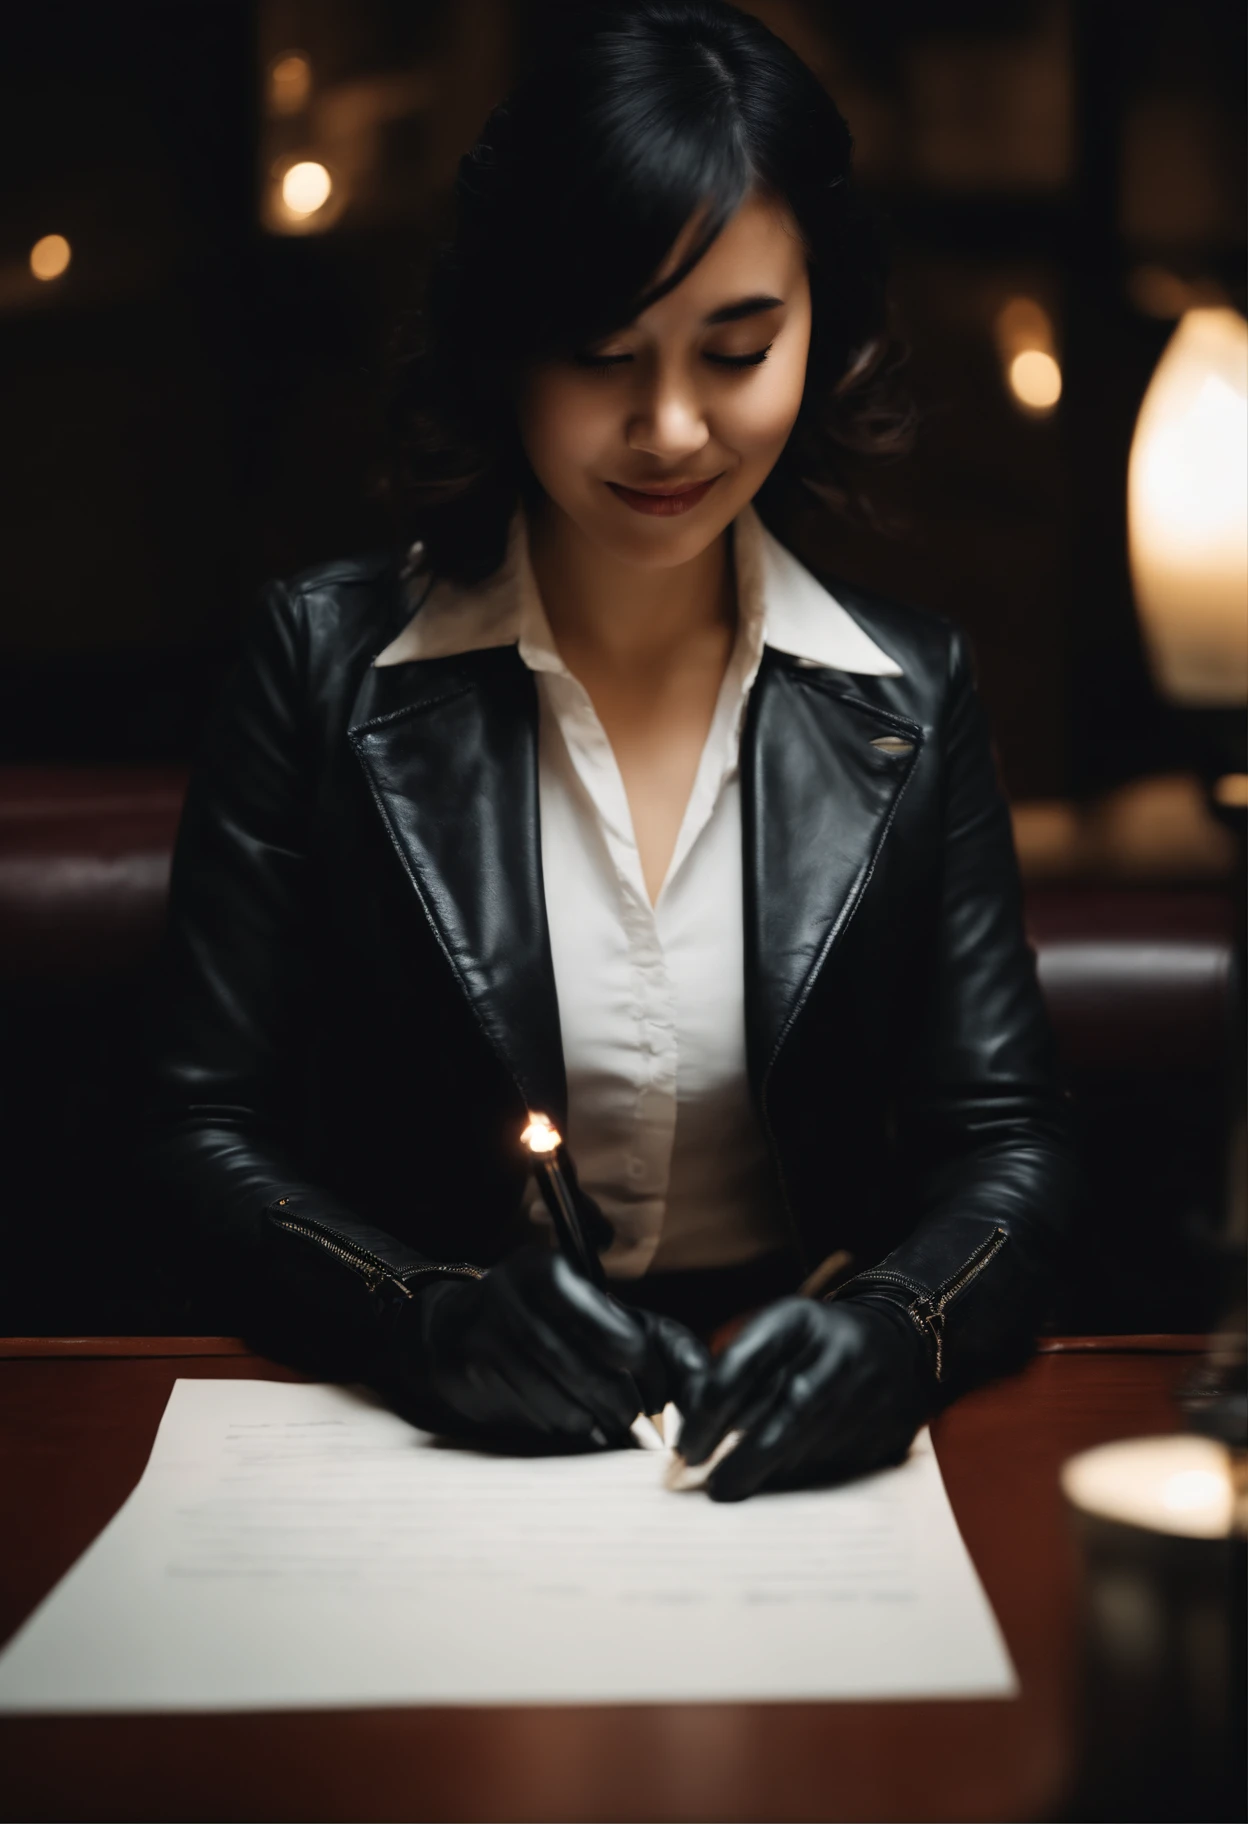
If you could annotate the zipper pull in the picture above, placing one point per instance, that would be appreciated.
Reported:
(930, 1318)
(936, 1325)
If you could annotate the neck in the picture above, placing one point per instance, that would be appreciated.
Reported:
(629, 616)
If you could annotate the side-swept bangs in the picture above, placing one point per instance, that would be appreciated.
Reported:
(643, 119)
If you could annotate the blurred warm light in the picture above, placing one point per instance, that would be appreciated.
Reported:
(1190, 1489)
(1025, 342)
(50, 257)
(1158, 828)
(1231, 791)
(290, 83)
(302, 195)
(1187, 498)
(1048, 836)
(305, 188)
(1158, 292)
(1036, 380)
(1169, 1485)
(1023, 323)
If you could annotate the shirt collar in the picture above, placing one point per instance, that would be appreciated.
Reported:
(780, 604)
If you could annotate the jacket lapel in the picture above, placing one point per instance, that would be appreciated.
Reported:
(449, 747)
(817, 803)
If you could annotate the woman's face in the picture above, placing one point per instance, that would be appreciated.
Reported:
(652, 440)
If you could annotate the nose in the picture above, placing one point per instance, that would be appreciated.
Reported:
(668, 420)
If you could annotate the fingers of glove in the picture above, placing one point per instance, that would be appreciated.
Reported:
(572, 1415)
(491, 1364)
(538, 1283)
(488, 1398)
(715, 1411)
(519, 1433)
(806, 1441)
(504, 1389)
(768, 1350)
(860, 1452)
(676, 1362)
(825, 1348)
(780, 1431)
(817, 1402)
(847, 1393)
(790, 1458)
(609, 1395)
(548, 1330)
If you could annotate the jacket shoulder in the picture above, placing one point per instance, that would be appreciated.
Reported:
(923, 642)
(346, 604)
(365, 570)
(345, 586)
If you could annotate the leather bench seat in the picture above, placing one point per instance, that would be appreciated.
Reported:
(84, 869)
(1137, 979)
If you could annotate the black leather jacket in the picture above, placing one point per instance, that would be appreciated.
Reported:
(356, 1002)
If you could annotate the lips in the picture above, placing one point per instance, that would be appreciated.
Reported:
(666, 502)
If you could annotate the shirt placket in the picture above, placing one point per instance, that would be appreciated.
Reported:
(647, 1148)
(644, 1167)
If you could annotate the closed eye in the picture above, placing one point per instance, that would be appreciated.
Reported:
(584, 358)
(753, 360)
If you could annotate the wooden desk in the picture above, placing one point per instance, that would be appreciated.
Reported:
(77, 1417)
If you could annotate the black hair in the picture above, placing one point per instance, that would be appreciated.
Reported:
(636, 120)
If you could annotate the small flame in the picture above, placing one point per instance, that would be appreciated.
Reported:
(541, 1135)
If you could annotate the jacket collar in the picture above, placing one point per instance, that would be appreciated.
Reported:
(780, 605)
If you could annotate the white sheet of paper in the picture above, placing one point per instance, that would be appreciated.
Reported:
(295, 1546)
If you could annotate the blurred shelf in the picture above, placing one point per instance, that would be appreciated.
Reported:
(1157, 830)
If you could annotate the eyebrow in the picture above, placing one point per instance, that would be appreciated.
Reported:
(744, 307)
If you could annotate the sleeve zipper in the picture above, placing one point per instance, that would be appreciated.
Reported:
(927, 1309)
(372, 1269)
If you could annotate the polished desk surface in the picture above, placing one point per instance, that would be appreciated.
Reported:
(77, 1418)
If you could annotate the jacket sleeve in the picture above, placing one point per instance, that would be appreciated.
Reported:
(272, 1253)
(984, 1126)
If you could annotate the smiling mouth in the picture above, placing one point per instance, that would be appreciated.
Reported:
(663, 501)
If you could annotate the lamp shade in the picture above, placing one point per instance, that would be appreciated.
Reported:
(1187, 502)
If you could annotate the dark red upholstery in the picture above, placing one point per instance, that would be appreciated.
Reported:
(1136, 978)
(1140, 983)
(84, 868)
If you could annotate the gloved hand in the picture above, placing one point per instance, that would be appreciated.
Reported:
(822, 1393)
(532, 1357)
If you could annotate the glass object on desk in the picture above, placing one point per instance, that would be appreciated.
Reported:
(1161, 1524)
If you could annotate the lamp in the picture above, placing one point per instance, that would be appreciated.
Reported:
(1187, 514)
(1187, 496)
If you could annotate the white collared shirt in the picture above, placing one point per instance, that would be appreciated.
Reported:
(651, 997)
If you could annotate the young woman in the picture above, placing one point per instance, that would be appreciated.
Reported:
(605, 806)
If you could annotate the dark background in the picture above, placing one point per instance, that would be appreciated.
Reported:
(193, 405)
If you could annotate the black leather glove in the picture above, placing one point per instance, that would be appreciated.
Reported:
(532, 1357)
(822, 1393)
